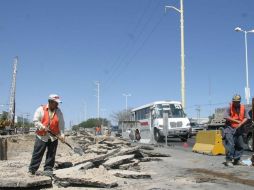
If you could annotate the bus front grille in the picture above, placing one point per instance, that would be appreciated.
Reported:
(176, 124)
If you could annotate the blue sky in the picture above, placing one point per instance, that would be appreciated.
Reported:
(129, 46)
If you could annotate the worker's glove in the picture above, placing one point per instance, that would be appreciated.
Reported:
(61, 138)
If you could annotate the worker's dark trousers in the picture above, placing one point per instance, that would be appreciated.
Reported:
(39, 149)
(233, 142)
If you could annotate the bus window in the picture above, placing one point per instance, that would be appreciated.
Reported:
(159, 109)
(177, 111)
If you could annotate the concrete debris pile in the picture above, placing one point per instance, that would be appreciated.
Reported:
(105, 160)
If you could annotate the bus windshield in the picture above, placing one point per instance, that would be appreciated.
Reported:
(174, 110)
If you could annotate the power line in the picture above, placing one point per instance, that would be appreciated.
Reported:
(116, 62)
(128, 62)
(203, 105)
(97, 83)
(121, 64)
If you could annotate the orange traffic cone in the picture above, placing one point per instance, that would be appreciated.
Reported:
(185, 145)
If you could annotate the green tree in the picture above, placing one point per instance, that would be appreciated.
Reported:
(122, 115)
(93, 122)
(4, 115)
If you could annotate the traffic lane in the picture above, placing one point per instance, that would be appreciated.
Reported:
(176, 143)
(188, 145)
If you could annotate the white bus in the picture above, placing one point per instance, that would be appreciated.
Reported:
(150, 119)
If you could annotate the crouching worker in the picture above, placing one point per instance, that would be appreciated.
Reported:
(137, 135)
(48, 119)
(236, 116)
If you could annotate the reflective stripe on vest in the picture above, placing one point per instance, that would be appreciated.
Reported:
(234, 115)
(52, 123)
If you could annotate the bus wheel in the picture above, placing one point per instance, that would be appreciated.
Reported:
(157, 135)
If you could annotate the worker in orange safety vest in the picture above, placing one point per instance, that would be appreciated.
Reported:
(48, 119)
(236, 116)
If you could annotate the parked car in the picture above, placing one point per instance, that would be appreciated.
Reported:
(195, 128)
(118, 133)
(32, 129)
(248, 133)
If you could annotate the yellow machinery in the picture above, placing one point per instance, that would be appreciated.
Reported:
(209, 142)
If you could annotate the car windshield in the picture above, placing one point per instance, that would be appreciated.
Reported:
(194, 125)
(173, 110)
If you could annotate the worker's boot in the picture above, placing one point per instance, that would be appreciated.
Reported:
(31, 173)
(252, 159)
(48, 173)
(238, 162)
(229, 163)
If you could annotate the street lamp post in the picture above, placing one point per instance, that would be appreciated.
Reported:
(126, 107)
(126, 101)
(182, 49)
(247, 89)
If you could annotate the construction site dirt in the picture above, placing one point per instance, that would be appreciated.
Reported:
(111, 162)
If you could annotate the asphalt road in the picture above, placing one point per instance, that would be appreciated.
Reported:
(176, 143)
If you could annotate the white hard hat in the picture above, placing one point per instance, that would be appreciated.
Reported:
(55, 97)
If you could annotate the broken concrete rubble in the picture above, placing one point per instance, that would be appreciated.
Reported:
(133, 163)
(14, 175)
(148, 159)
(92, 169)
(84, 166)
(97, 177)
(129, 174)
(154, 154)
(118, 160)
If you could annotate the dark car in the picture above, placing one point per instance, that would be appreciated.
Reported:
(248, 132)
(118, 133)
(247, 136)
(195, 128)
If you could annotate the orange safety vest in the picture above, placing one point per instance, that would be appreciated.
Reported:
(52, 123)
(234, 115)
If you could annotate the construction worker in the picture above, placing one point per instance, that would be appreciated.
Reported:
(137, 135)
(98, 130)
(48, 119)
(236, 116)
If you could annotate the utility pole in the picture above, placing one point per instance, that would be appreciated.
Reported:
(198, 109)
(182, 49)
(70, 124)
(126, 104)
(11, 115)
(247, 88)
(103, 115)
(97, 83)
(210, 96)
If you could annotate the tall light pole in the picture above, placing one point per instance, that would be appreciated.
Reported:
(247, 89)
(198, 109)
(182, 49)
(126, 102)
(97, 83)
(126, 107)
